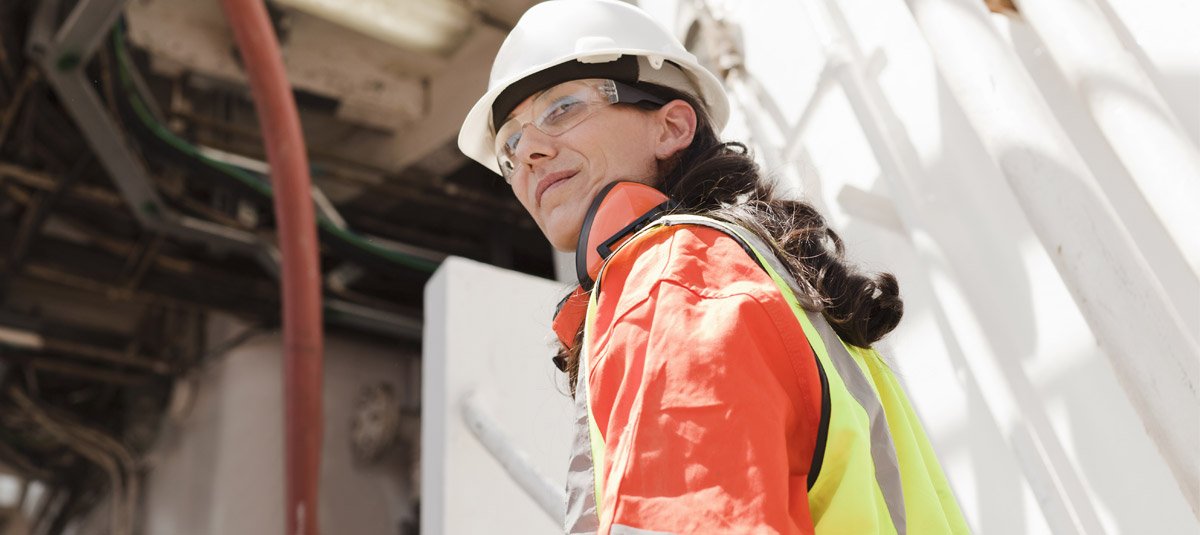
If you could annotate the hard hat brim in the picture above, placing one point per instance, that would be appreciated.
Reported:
(475, 136)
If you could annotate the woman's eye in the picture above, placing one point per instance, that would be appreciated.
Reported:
(510, 144)
(560, 110)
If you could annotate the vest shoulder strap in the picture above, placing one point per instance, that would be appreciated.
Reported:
(764, 256)
(883, 453)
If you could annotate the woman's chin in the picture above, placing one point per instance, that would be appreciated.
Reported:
(561, 227)
(565, 242)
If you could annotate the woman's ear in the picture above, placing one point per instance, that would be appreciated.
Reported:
(678, 122)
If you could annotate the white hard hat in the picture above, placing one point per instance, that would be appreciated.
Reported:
(565, 40)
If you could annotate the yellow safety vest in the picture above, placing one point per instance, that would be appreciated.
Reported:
(875, 470)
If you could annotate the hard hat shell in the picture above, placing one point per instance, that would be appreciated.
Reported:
(588, 33)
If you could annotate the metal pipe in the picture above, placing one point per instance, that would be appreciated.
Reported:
(26, 467)
(338, 311)
(346, 171)
(90, 373)
(77, 39)
(323, 205)
(301, 278)
(373, 320)
(41, 181)
(19, 337)
(117, 521)
(35, 217)
(1149, 346)
(99, 354)
(545, 494)
(85, 107)
(9, 116)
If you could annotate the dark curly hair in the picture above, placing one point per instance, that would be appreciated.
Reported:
(720, 180)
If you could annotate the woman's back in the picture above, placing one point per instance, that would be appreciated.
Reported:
(707, 397)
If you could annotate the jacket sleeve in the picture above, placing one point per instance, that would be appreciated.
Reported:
(703, 418)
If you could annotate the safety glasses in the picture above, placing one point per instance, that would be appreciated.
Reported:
(561, 108)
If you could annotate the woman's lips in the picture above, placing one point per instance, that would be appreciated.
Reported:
(550, 180)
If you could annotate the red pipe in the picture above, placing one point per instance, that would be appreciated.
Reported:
(296, 228)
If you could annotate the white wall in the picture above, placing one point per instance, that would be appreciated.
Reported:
(219, 465)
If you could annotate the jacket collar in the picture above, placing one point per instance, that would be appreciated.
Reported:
(618, 211)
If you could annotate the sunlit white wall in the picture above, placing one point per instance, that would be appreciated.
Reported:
(844, 103)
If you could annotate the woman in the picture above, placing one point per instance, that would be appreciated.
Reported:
(718, 344)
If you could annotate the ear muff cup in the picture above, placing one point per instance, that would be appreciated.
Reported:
(619, 210)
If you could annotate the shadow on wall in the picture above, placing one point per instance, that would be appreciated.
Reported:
(1179, 89)
(984, 261)
(1088, 430)
(1152, 240)
(987, 260)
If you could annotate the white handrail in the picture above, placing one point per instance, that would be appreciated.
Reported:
(549, 498)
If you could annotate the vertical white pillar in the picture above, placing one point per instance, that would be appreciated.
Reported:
(1130, 112)
(1147, 343)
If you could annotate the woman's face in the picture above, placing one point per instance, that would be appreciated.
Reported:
(556, 177)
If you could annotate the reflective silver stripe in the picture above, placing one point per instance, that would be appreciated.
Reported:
(883, 450)
(618, 529)
(581, 516)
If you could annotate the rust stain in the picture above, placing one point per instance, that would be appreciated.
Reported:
(1005, 7)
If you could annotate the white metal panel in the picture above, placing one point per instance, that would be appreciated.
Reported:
(487, 338)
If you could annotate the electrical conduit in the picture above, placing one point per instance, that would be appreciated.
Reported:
(301, 276)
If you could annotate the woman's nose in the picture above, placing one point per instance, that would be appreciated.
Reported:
(534, 145)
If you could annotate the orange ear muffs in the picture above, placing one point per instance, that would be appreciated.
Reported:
(568, 317)
(619, 210)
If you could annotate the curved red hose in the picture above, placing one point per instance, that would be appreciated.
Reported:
(296, 228)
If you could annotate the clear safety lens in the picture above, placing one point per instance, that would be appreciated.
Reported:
(554, 112)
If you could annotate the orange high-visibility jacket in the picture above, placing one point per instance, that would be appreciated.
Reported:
(703, 408)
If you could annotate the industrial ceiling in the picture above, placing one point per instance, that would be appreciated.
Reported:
(135, 200)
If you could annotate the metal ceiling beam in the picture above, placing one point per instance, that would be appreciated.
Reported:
(78, 37)
(62, 58)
